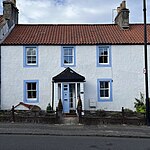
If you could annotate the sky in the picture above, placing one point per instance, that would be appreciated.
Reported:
(76, 11)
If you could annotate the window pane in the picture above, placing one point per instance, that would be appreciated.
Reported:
(70, 51)
(29, 51)
(102, 84)
(33, 52)
(107, 93)
(33, 86)
(101, 53)
(102, 93)
(66, 60)
(70, 59)
(29, 86)
(29, 59)
(106, 84)
(105, 52)
(33, 59)
(105, 59)
(29, 95)
(65, 52)
(101, 59)
(33, 94)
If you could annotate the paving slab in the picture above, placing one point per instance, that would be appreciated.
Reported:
(75, 130)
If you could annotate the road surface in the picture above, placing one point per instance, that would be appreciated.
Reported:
(38, 142)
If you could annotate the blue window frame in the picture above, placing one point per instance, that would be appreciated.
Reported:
(31, 91)
(103, 56)
(68, 56)
(104, 90)
(30, 56)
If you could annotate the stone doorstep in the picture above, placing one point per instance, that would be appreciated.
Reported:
(70, 120)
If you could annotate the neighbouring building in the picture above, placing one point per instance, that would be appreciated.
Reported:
(8, 19)
(7, 23)
(100, 63)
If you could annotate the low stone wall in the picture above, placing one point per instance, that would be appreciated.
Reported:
(29, 117)
(112, 117)
(112, 120)
(89, 117)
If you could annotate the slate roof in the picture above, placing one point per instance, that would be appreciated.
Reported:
(76, 34)
(68, 75)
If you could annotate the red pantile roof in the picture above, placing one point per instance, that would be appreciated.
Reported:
(76, 34)
(1, 20)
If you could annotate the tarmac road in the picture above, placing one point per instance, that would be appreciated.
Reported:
(46, 142)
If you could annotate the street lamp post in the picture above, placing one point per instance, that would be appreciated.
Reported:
(146, 65)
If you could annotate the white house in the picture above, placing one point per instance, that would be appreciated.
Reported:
(100, 63)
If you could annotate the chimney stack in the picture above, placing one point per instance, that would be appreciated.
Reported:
(10, 12)
(122, 18)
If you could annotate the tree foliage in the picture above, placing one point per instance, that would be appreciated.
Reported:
(140, 104)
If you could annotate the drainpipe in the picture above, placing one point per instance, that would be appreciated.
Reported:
(146, 66)
(0, 77)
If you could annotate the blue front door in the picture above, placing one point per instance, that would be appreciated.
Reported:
(66, 98)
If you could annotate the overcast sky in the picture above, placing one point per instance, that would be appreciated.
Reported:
(76, 11)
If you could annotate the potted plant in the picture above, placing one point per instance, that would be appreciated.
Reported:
(49, 108)
(79, 106)
(60, 106)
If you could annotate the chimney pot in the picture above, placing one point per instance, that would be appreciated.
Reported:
(10, 12)
(122, 18)
(118, 9)
(123, 4)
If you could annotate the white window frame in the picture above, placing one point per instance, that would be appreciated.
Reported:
(26, 91)
(63, 55)
(109, 88)
(26, 56)
(101, 53)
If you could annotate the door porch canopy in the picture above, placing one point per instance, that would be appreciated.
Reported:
(68, 75)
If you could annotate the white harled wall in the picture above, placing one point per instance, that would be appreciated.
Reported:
(126, 73)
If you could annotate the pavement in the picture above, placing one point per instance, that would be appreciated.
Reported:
(128, 131)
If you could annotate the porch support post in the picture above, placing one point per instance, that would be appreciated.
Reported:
(55, 95)
(62, 87)
(76, 96)
(82, 94)
(52, 95)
